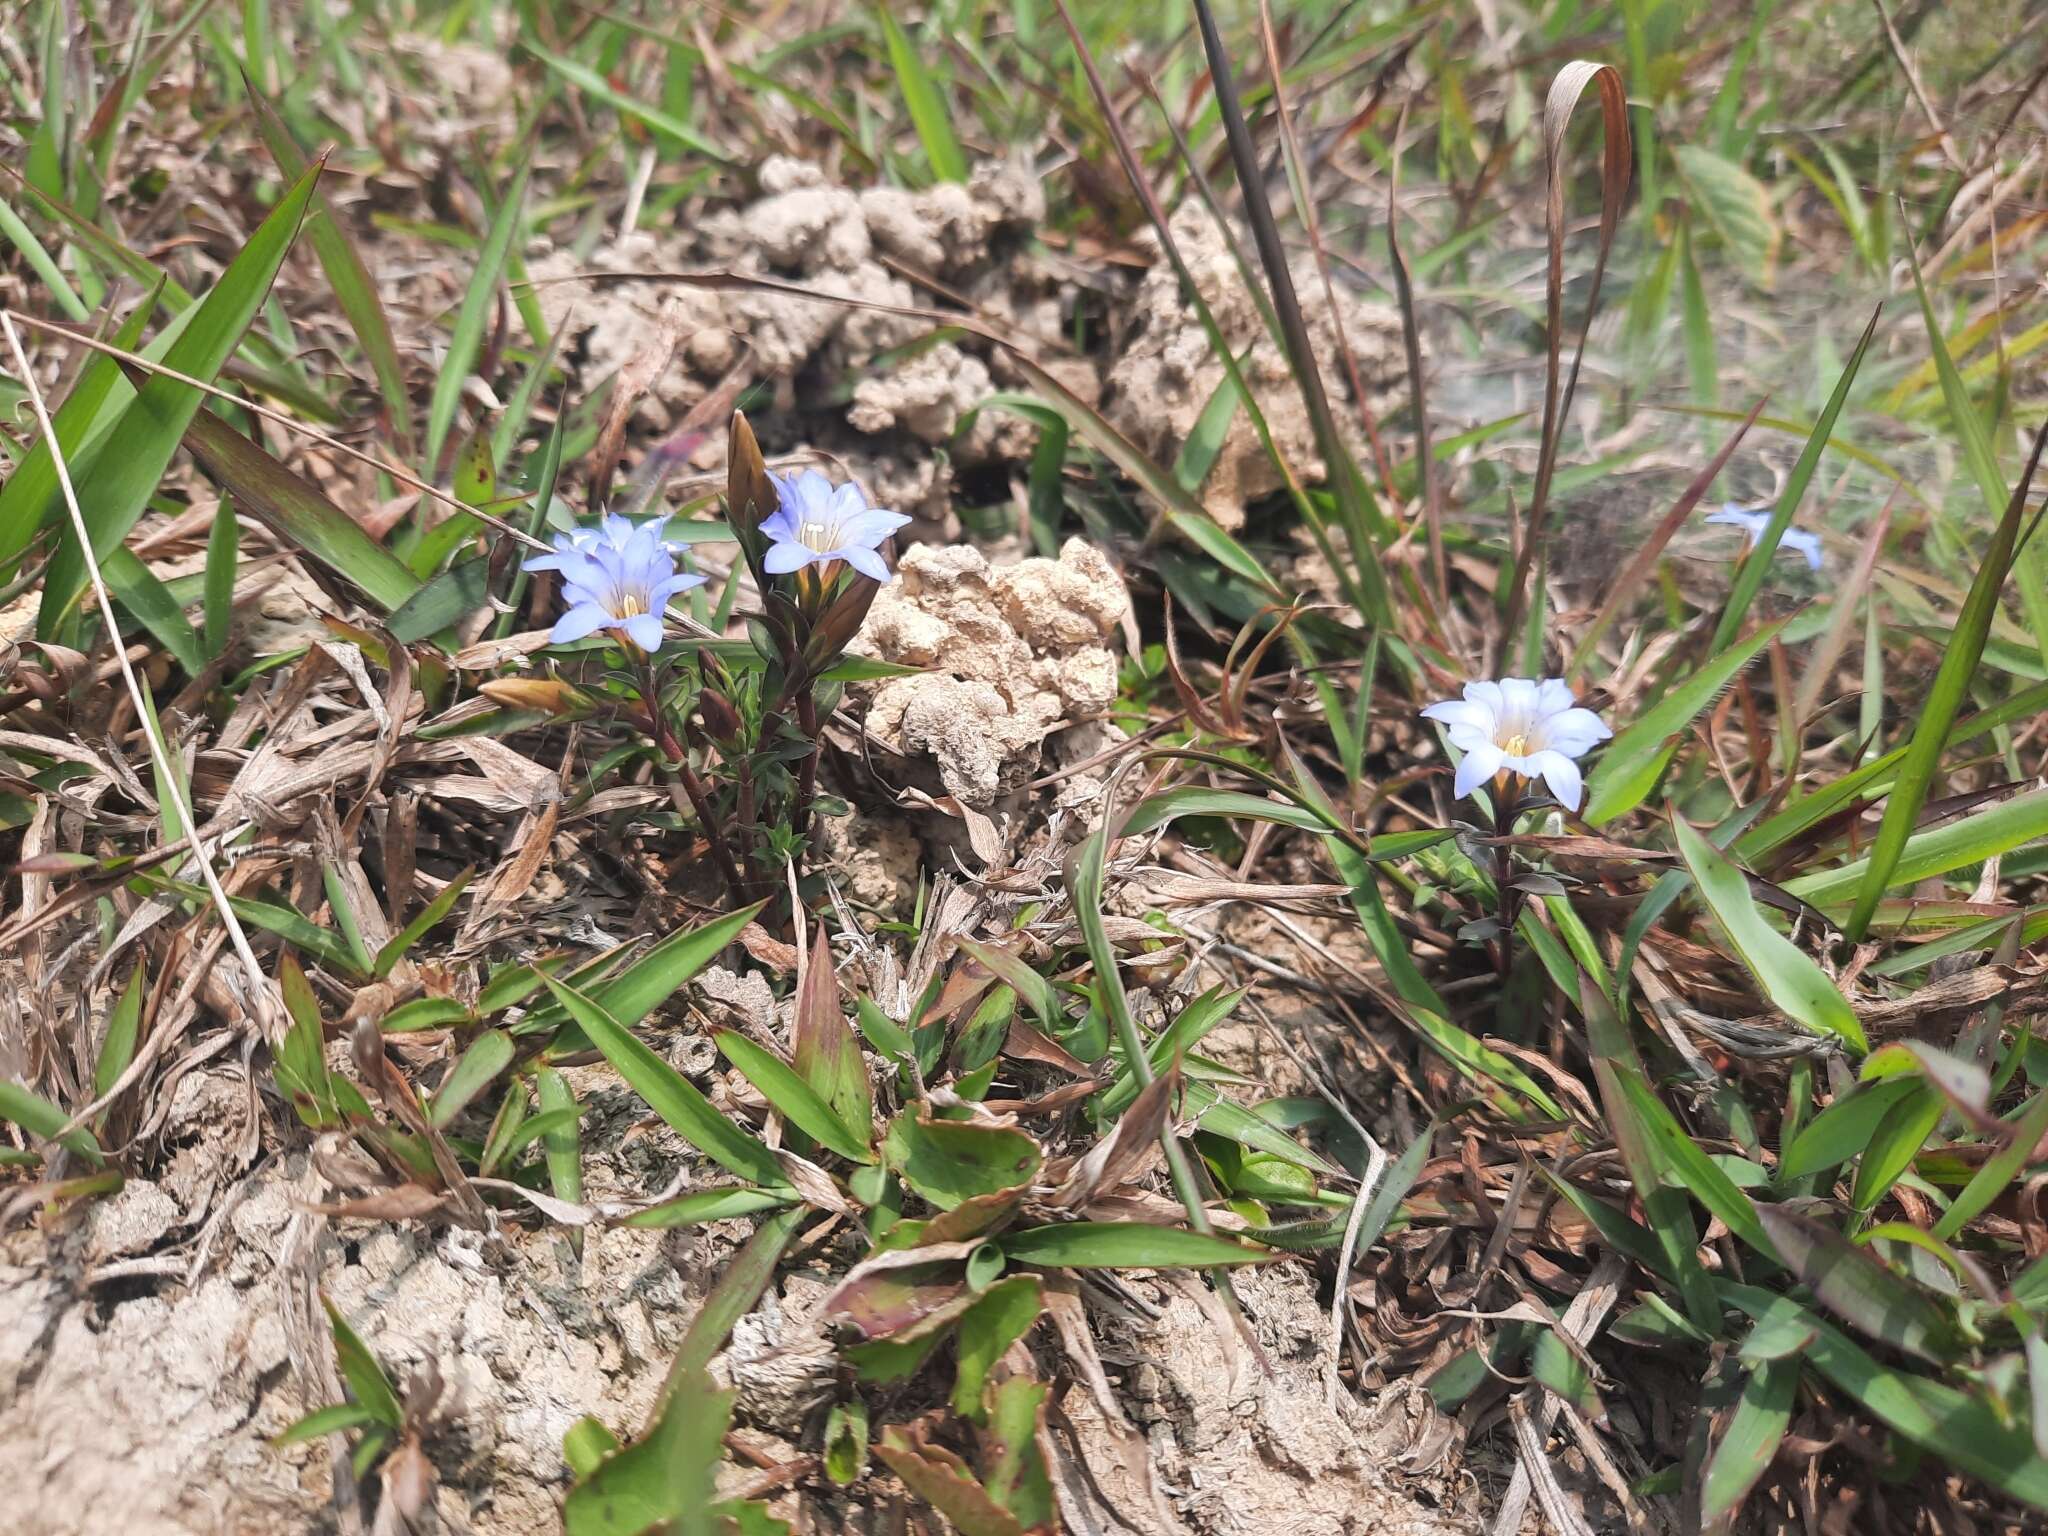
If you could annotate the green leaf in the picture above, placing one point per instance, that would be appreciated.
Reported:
(1959, 658)
(667, 1479)
(1999, 1170)
(116, 487)
(643, 986)
(366, 1380)
(297, 512)
(1843, 1129)
(223, 552)
(591, 83)
(1632, 763)
(465, 339)
(1699, 1173)
(42, 1119)
(562, 1146)
(1749, 576)
(926, 103)
(735, 1295)
(1899, 1138)
(949, 1161)
(332, 1419)
(824, 1051)
(31, 492)
(124, 1023)
(791, 1096)
(444, 601)
(1124, 1245)
(1750, 1441)
(1787, 976)
(1956, 1426)
(705, 1205)
(142, 593)
(395, 948)
(1002, 1316)
(1737, 206)
(489, 1054)
(846, 1441)
(354, 289)
(668, 1093)
(1954, 845)
(1853, 1284)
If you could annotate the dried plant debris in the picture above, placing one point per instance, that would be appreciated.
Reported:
(971, 773)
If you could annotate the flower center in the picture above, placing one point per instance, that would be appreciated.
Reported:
(821, 538)
(1516, 745)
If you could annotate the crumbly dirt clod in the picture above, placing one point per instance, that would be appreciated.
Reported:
(1166, 372)
(1012, 654)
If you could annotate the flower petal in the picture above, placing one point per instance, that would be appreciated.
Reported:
(1575, 732)
(787, 556)
(1562, 775)
(1518, 703)
(867, 561)
(1461, 712)
(644, 630)
(1806, 544)
(1488, 696)
(578, 623)
(1554, 696)
(1480, 764)
(1467, 737)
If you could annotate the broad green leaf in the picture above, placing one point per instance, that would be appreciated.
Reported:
(488, 1055)
(31, 492)
(1749, 1442)
(117, 485)
(1783, 972)
(1002, 1316)
(668, 1093)
(1999, 1170)
(846, 1441)
(824, 1051)
(1843, 1129)
(1853, 1284)
(950, 1161)
(1895, 1141)
(1957, 1426)
(1632, 763)
(124, 1023)
(666, 1480)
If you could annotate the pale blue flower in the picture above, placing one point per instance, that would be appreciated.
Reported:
(1521, 726)
(816, 522)
(1755, 522)
(619, 576)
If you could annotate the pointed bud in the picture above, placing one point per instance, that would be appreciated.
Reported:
(750, 495)
(546, 695)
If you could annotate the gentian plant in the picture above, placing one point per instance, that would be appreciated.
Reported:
(735, 726)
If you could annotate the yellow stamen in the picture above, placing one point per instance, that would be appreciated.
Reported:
(1516, 746)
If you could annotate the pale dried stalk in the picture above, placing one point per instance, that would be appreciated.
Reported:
(269, 1005)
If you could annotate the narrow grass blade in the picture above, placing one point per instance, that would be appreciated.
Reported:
(1951, 686)
(1749, 577)
(793, 1098)
(1749, 1443)
(117, 486)
(465, 340)
(1968, 840)
(142, 593)
(30, 494)
(668, 1093)
(925, 101)
(296, 511)
(354, 289)
(1635, 760)
(39, 1117)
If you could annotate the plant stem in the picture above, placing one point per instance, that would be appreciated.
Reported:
(1503, 867)
(676, 756)
(807, 775)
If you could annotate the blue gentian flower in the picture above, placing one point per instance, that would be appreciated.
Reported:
(1755, 522)
(816, 522)
(619, 576)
